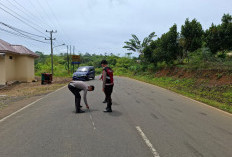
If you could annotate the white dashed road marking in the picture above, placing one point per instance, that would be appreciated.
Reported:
(148, 143)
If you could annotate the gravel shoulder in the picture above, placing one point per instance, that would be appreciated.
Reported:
(18, 95)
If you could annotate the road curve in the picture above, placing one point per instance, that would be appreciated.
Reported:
(146, 121)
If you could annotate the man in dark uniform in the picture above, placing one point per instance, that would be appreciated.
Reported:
(75, 87)
(108, 84)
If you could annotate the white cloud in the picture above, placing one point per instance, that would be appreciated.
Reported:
(103, 25)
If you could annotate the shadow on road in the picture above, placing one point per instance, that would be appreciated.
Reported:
(114, 103)
(86, 111)
(115, 113)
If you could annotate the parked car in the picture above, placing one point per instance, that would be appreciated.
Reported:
(84, 73)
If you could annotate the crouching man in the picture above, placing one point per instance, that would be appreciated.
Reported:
(75, 87)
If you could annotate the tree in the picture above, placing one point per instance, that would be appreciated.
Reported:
(226, 32)
(219, 38)
(165, 48)
(135, 45)
(41, 59)
(172, 45)
(191, 33)
(213, 38)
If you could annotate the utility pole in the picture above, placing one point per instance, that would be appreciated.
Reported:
(73, 54)
(51, 39)
(68, 59)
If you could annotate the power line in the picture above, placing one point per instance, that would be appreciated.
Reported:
(46, 12)
(27, 12)
(19, 36)
(19, 30)
(19, 18)
(26, 21)
(22, 35)
(56, 19)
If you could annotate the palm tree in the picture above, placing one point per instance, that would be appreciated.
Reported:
(135, 45)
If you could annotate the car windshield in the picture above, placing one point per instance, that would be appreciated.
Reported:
(82, 69)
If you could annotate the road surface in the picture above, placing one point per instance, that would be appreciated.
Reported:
(147, 121)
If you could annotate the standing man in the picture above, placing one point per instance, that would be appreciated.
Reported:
(104, 92)
(108, 84)
(75, 87)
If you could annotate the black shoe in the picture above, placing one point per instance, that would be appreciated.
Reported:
(104, 101)
(80, 111)
(107, 110)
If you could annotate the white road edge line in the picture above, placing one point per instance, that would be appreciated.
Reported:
(3, 119)
(148, 143)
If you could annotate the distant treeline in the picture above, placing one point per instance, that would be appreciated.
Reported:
(192, 47)
(191, 42)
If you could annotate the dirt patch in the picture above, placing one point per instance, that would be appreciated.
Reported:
(212, 77)
(14, 106)
(15, 96)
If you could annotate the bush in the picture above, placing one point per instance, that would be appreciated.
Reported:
(98, 71)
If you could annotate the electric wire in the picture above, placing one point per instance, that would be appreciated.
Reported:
(24, 18)
(48, 17)
(19, 30)
(22, 35)
(35, 6)
(56, 19)
(28, 12)
(21, 20)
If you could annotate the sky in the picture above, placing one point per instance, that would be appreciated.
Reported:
(101, 26)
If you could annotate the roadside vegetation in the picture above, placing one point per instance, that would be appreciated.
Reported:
(194, 62)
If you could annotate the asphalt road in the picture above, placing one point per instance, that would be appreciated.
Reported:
(146, 121)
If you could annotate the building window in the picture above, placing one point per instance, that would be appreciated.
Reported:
(10, 57)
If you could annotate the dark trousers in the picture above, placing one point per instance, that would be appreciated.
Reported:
(76, 92)
(108, 92)
(105, 96)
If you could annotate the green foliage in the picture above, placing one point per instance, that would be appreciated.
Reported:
(124, 62)
(191, 33)
(172, 49)
(219, 38)
(226, 32)
(98, 71)
(213, 38)
(221, 54)
(228, 96)
(41, 59)
(200, 58)
(167, 46)
(135, 44)
(187, 49)
(164, 48)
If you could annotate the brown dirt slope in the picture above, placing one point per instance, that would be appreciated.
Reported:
(213, 77)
